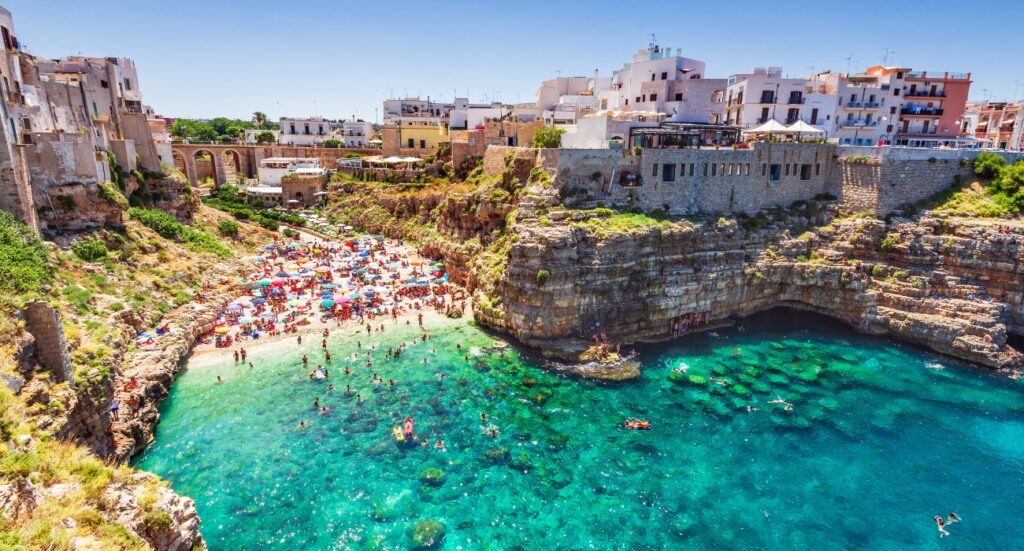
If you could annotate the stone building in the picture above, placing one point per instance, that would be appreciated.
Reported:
(60, 120)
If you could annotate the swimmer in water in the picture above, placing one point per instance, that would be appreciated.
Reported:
(941, 525)
(302, 424)
(952, 518)
(359, 398)
(439, 445)
(219, 380)
(316, 402)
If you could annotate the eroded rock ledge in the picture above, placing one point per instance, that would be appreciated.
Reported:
(954, 286)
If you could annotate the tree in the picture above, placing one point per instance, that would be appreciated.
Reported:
(988, 164)
(548, 137)
(259, 118)
(265, 137)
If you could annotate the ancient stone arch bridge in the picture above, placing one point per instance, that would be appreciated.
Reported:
(229, 163)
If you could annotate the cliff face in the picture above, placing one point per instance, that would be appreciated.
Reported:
(953, 286)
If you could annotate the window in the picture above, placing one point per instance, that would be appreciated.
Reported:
(721, 169)
(888, 128)
(767, 96)
(748, 170)
(787, 169)
(764, 167)
(691, 169)
(895, 91)
(412, 143)
(668, 173)
(679, 96)
(654, 169)
(814, 116)
(652, 76)
(727, 169)
(899, 74)
(638, 99)
(892, 110)
(654, 97)
(805, 172)
(423, 144)
(664, 76)
(764, 115)
(714, 169)
(104, 84)
(817, 169)
(775, 173)
(705, 169)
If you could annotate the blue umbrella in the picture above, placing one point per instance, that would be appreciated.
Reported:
(369, 293)
(259, 300)
(327, 302)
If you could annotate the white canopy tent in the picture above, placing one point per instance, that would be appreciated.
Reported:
(801, 127)
(771, 127)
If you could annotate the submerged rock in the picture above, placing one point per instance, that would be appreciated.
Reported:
(427, 534)
(432, 476)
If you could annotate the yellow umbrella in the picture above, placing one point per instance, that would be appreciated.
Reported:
(221, 330)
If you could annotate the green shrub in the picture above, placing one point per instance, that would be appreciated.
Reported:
(542, 275)
(290, 233)
(170, 228)
(548, 137)
(877, 270)
(24, 262)
(988, 164)
(109, 192)
(228, 228)
(889, 243)
(66, 202)
(90, 250)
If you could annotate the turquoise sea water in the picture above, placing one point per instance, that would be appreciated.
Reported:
(881, 438)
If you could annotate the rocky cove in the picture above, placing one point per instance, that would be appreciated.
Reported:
(553, 274)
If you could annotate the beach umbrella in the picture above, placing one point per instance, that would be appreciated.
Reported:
(281, 274)
(277, 283)
(259, 300)
(271, 247)
(328, 285)
(354, 296)
(327, 303)
(265, 282)
(323, 269)
(233, 307)
(243, 282)
(294, 302)
(369, 293)
(344, 300)
(438, 264)
(269, 315)
(222, 330)
(245, 321)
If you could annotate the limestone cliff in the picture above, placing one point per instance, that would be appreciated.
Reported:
(951, 285)
(553, 276)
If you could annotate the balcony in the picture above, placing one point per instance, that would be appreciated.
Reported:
(861, 105)
(16, 98)
(858, 123)
(925, 75)
(921, 111)
(796, 101)
(925, 94)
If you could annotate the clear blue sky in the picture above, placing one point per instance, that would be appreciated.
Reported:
(215, 57)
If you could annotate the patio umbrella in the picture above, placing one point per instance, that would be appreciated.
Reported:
(327, 303)
(222, 330)
(265, 283)
(245, 321)
(771, 127)
(344, 300)
(801, 127)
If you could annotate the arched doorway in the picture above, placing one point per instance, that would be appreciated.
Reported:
(232, 167)
(178, 161)
(206, 169)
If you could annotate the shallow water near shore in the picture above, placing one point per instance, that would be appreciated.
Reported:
(881, 437)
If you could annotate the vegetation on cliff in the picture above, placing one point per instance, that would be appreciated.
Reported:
(997, 193)
(107, 285)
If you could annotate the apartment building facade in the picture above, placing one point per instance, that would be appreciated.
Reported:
(999, 124)
(304, 131)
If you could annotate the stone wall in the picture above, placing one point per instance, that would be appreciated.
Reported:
(43, 323)
(729, 180)
(15, 191)
(136, 128)
(880, 180)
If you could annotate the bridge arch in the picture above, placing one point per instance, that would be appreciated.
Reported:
(233, 169)
(208, 166)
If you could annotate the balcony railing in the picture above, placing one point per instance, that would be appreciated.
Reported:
(15, 97)
(858, 123)
(797, 101)
(862, 104)
(921, 111)
(925, 94)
